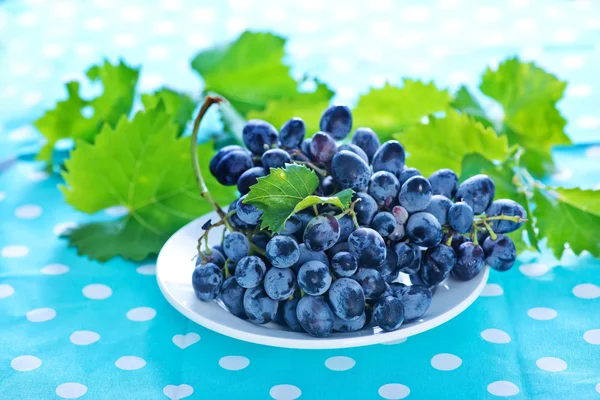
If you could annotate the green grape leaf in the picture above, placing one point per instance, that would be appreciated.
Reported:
(444, 142)
(179, 105)
(140, 165)
(392, 109)
(66, 120)
(467, 103)
(341, 200)
(568, 216)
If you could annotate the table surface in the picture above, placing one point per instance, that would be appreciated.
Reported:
(72, 327)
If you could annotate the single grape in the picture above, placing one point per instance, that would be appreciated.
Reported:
(259, 307)
(346, 228)
(384, 223)
(344, 264)
(289, 314)
(354, 149)
(337, 121)
(249, 271)
(424, 229)
(409, 257)
(389, 313)
(322, 148)
(477, 191)
(315, 316)
(482, 234)
(229, 164)
(389, 267)
(247, 212)
(444, 182)
(341, 325)
(215, 257)
(349, 171)
(416, 300)
(305, 147)
(509, 208)
(438, 207)
(460, 217)
(389, 157)
(309, 255)
(259, 136)
(206, 281)
(384, 187)
(365, 208)
(367, 246)
(235, 221)
(346, 299)
(501, 253)
(292, 225)
(260, 239)
(367, 140)
(282, 251)
(232, 295)
(292, 133)
(321, 233)
(249, 178)
(415, 194)
(406, 174)
(305, 216)
(236, 246)
(469, 261)
(280, 283)
(337, 248)
(437, 263)
(314, 278)
(275, 158)
(371, 282)
(457, 240)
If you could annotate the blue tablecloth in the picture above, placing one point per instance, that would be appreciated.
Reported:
(71, 327)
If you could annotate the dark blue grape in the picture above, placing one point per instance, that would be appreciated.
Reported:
(322, 148)
(389, 157)
(247, 212)
(346, 228)
(367, 246)
(315, 316)
(457, 240)
(259, 307)
(424, 229)
(326, 186)
(321, 233)
(305, 216)
(384, 187)
(309, 255)
(460, 217)
(438, 207)
(389, 268)
(437, 263)
(282, 251)
(292, 225)
(337, 121)
(409, 257)
(215, 257)
(384, 223)
(206, 281)
(406, 174)
(505, 207)
(389, 313)
(275, 158)
(469, 261)
(232, 295)
(292, 133)
(346, 299)
(444, 182)
(314, 278)
(415, 194)
(249, 271)
(340, 325)
(236, 246)
(234, 220)
(367, 140)
(416, 300)
(305, 147)
(249, 178)
(477, 191)
(365, 209)
(339, 247)
(350, 171)
(371, 282)
(259, 136)
(280, 283)
(289, 314)
(501, 253)
(354, 149)
(260, 239)
(344, 264)
(229, 164)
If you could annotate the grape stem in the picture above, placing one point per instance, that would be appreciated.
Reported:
(226, 268)
(204, 236)
(490, 230)
(350, 211)
(208, 101)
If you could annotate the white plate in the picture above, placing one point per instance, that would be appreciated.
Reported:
(174, 274)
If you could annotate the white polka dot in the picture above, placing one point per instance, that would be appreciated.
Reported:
(395, 342)
(340, 363)
(132, 14)
(495, 336)
(234, 363)
(14, 251)
(394, 391)
(492, 290)
(125, 40)
(6, 290)
(41, 314)
(445, 362)
(32, 98)
(573, 62)
(130, 363)
(565, 36)
(165, 28)
(205, 15)
(54, 269)
(63, 227)
(71, 390)
(586, 291)
(503, 389)
(141, 314)
(25, 363)
(95, 24)
(28, 211)
(37, 176)
(116, 211)
(285, 392)
(534, 269)
(84, 338)
(592, 336)
(551, 364)
(588, 122)
(542, 313)
(146, 269)
(178, 392)
(579, 90)
(598, 388)
(97, 291)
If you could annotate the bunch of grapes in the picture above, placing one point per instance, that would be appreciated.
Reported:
(333, 270)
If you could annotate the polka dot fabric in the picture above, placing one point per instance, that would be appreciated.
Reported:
(73, 328)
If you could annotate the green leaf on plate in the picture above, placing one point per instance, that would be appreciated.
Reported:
(179, 105)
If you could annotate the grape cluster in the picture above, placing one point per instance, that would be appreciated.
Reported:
(337, 270)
